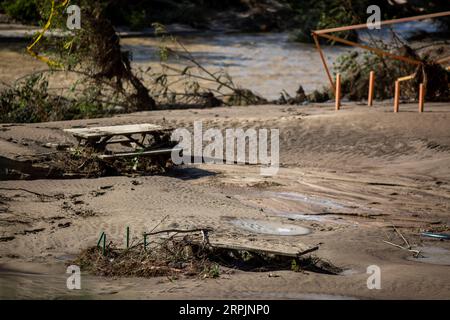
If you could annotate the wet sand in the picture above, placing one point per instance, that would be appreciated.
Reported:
(346, 176)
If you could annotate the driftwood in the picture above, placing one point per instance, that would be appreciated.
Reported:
(262, 251)
(177, 231)
(256, 259)
(139, 154)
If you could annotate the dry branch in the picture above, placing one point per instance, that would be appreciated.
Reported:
(32, 192)
(178, 231)
(416, 252)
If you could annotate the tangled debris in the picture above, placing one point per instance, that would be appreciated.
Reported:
(99, 45)
(200, 87)
(85, 163)
(88, 161)
(171, 258)
(187, 256)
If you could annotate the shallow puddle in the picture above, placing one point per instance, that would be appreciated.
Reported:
(316, 201)
(268, 227)
(432, 255)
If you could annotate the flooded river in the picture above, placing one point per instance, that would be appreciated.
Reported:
(264, 63)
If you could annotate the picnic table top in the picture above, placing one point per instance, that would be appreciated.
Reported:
(99, 132)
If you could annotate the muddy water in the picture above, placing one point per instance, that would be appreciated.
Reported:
(264, 63)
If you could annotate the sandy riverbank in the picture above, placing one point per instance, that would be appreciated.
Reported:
(366, 169)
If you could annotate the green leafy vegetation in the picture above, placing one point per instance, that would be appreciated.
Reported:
(25, 103)
(31, 100)
(22, 10)
(301, 17)
(212, 271)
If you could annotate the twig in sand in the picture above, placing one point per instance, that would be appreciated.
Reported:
(178, 231)
(401, 235)
(416, 252)
(32, 192)
(159, 223)
(350, 214)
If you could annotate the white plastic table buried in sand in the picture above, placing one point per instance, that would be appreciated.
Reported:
(100, 137)
(100, 132)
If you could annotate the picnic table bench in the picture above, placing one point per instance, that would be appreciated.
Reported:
(146, 139)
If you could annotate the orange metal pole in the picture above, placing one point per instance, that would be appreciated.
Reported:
(421, 97)
(324, 33)
(324, 61)
(338, 91)
(397, 96)
(443, 60)
(375, 50)
(371, 85)
(386, 22)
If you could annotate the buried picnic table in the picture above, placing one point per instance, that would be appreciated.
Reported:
(146, 139)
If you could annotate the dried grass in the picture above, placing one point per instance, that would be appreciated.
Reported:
(169, 258)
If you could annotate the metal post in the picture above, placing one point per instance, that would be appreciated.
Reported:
(371, 86)
(421, 97)
(338, 91)
(397, 96)
(324, 62)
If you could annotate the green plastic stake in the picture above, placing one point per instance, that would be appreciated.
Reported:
(128, 237)
(100, 239)
(145, 242)
(104, 244)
